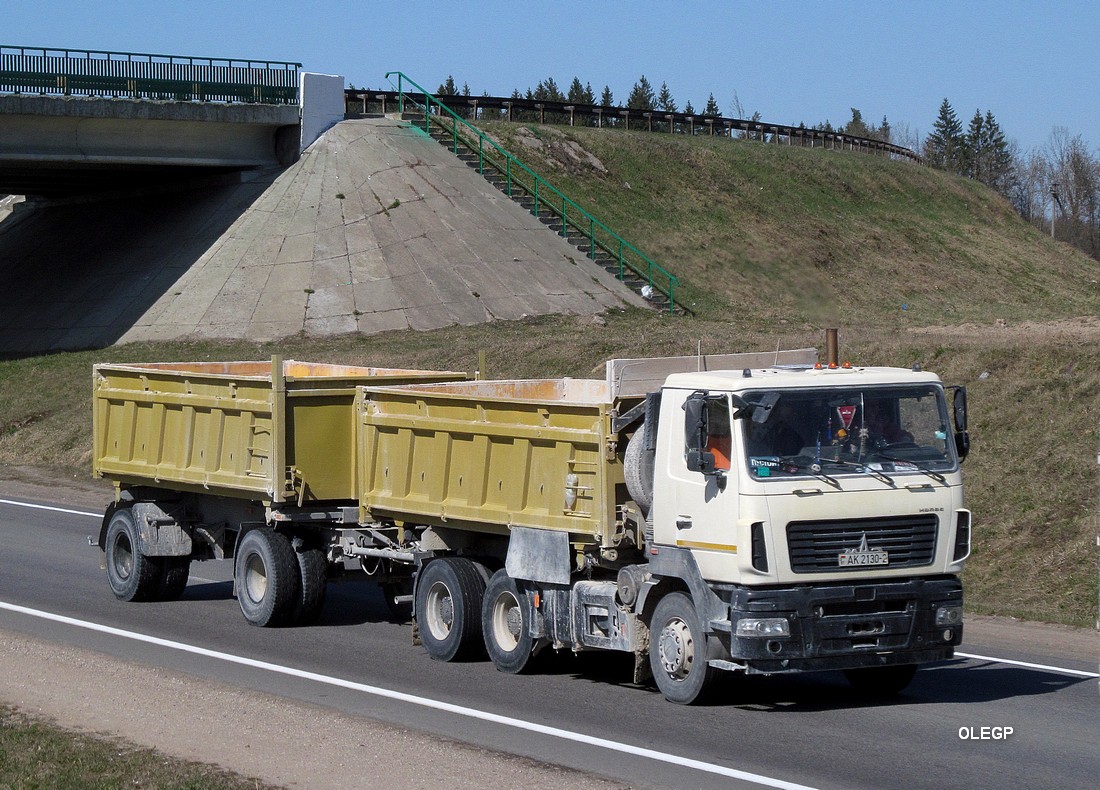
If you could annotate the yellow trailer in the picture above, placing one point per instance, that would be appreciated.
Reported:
(490, 456)
(279, 431)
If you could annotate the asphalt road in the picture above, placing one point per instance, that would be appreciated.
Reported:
(581, 711)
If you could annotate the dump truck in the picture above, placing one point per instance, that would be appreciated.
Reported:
(756, 513)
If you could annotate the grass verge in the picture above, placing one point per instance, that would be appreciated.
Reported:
(36, 754)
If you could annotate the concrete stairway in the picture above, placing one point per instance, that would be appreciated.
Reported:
(608, 263)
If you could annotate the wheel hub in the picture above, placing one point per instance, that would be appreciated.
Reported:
(676, 649)
(255, 579)
(440, 611)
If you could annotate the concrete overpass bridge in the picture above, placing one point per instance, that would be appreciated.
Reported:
(374, 227)
(74, 122)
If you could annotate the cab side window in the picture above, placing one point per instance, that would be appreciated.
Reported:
(719, 435)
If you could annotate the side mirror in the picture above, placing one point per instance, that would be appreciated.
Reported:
(959, 405)
(700, 461)
(962, 444)
(695, 422)
(762, 410)
(962, 436)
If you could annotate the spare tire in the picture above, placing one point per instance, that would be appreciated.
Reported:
(638, 470)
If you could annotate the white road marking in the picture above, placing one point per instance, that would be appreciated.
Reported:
(1044, 667)
(49, 507)
(425, 702)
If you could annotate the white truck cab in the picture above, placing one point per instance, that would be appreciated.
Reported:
(816, 516)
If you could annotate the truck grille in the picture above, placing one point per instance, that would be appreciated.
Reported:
(815, 545)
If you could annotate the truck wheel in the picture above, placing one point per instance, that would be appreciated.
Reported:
(132, 575)
(881, 681)
(638, 471)
(506, 624)
(173, 579)
(678, 650)
(266, 577)
(448, 607)
(312, 585)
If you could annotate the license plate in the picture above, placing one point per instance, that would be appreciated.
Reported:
(850, 558)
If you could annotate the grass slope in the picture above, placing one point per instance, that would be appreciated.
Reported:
(776, 244)
(809, 234)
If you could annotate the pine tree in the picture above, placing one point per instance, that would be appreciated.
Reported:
(576, 92)
(883, 131)
(857, 127)
(665, 102)
(447, 88)
(642, 96)
(688, 109)
(712, 107)
(999, 163)
(972, 151)
(588, 97)
(552, 92)
(606, 99)
(942, 146)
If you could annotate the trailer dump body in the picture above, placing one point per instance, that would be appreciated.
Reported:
(490, 455)
(273, 431)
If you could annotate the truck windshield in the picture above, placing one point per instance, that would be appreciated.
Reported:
(881, 431)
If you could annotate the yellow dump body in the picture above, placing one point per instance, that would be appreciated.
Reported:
(273, 431)
(487, 455)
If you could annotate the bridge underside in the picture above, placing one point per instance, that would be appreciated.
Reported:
(61, 146)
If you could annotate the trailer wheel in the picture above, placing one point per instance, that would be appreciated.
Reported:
(266, 577)
(173, 579)
(132, 575)
(638, 471)
(506, 624)
(449, 593)
(312, 585)
(678, 650)
(881, 681)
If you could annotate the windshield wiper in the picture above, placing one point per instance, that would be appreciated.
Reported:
(805, 464)
(930, 472)
(873, 472)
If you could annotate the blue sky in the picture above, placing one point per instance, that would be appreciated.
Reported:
(1033, 64)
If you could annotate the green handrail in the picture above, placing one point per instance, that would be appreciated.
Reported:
(572, 215)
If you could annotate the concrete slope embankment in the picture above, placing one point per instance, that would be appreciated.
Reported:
(375, 228)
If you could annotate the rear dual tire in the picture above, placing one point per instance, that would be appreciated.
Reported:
(506, 624)
(266, 577)
(449, 593)
(132, 575)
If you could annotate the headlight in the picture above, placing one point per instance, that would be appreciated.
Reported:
(949, 615)
(763, 626)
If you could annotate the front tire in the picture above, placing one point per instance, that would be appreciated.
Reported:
(449, 593)
(132, 575)
(506, 624)
(266, 577)
(881, 681)
(678, 650)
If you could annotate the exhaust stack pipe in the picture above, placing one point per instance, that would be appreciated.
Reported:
(832, 355)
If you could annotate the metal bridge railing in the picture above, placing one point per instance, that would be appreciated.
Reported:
(575, 220)
(133, 75)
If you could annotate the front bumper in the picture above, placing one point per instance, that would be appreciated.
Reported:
(842, 626)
